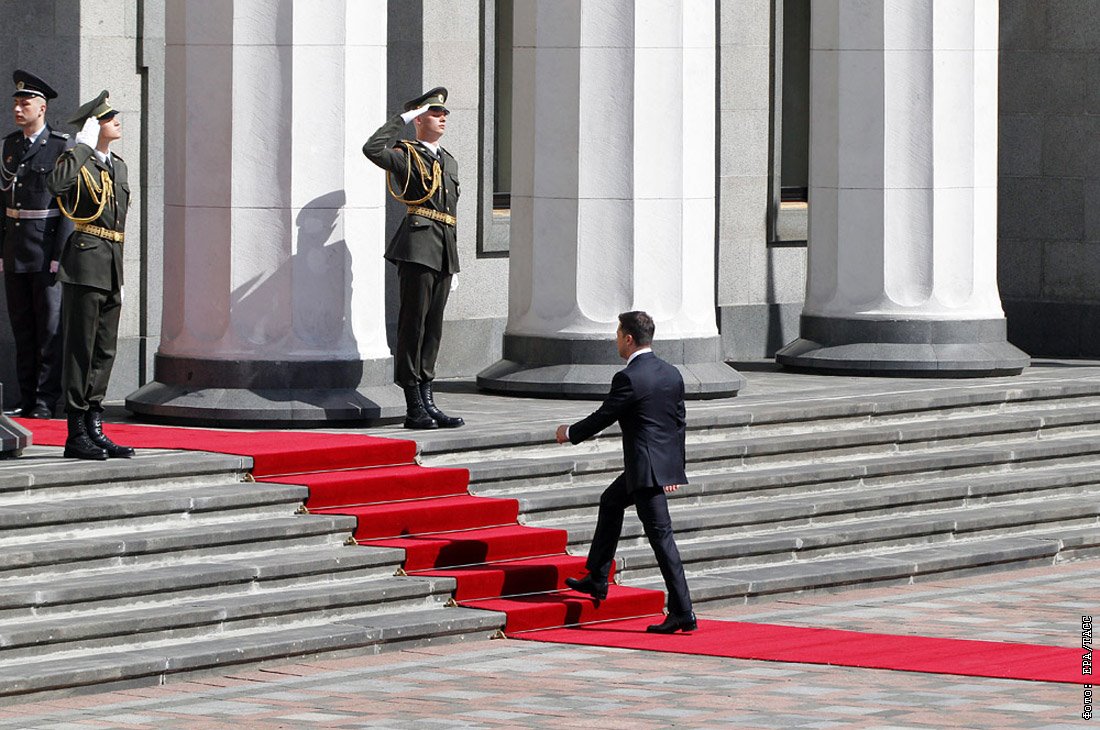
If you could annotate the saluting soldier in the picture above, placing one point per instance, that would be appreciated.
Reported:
(423, 176)
(31, 237)
(93, 191)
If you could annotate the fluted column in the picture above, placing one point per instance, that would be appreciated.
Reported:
(903, 191)
(613, 175)
(274, 305)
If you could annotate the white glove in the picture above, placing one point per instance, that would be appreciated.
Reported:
(414, 113)
(454, 282)
(89, 133)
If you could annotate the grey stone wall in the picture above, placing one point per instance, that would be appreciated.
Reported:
(1049, 201)
(760, 286)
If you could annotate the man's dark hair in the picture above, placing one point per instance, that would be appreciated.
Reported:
(638, 325)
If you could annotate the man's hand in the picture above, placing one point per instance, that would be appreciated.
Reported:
(670, 488)
(54, 266)
(89, 133)
(414, 113)
(454, 282)
(562, 434)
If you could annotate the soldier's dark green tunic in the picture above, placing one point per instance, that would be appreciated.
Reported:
(425, 250)
(90, 272)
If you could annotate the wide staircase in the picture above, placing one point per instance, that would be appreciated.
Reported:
(131, 572)
(135, 572)
(837, 490)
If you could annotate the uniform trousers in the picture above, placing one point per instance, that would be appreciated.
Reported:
(423, 293)
(90, 331)
(651, 505)
(34, 308)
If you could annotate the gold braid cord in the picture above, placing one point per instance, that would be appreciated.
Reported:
(100, 194)
(430, 181)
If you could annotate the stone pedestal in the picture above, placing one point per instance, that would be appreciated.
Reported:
(13, 437)
(274, 308)
(613, 164)
(903, 192)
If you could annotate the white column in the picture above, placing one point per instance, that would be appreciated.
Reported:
(274, 222)
(613, 176)
(903, 190)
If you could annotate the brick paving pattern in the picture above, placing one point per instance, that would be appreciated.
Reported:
(494, 684)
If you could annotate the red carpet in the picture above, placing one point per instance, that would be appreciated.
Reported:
(499, 565)
(840, 648)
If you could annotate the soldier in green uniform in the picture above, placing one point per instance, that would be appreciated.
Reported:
(92, 190)
(424, 177)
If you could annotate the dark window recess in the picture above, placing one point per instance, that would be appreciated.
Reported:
(502, 201)
(794, 194)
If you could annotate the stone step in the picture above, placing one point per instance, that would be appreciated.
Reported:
(227, 576)
(588, 462)
(698, 523)
(703, 553)
(87, 513)
(764, 414)
(135, 628)
(921, 480)
(101, 671)
(738, 585)
(42, 474)
(189, 544)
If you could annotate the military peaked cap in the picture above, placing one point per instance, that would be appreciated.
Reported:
(98, 107)
(435, 99)
(27, 84)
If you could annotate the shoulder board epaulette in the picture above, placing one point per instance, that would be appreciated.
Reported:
(59, 135)
(447, 152)
(114, 156)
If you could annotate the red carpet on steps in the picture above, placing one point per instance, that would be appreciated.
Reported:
(840, 648)
(499, 565)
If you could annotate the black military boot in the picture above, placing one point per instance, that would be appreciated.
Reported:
(415, 415)
(93, 421)
(433, 410)
(78, 445)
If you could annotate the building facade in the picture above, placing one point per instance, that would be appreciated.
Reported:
(679, 135)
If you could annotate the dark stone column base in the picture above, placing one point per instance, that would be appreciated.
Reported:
(561, 368)
(269, 393)
(13, 437)
(955, 349)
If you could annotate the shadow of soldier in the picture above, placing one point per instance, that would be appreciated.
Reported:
(301, 315)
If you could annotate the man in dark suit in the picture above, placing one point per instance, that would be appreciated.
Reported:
(647, 399)
(31, 237)
(424, 248)
(94, 193)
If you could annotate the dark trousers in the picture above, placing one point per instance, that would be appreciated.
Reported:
(652, 508)
(423, 293)
(90, 330)
(34, 308)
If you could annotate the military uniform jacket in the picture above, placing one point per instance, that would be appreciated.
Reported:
(88, 259)
(418, 239)
(28, 245)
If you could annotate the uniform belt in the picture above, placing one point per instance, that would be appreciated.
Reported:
(100, 231)
(435, 215)
(37, 214)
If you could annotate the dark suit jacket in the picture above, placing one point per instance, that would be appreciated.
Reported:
(647, 399)
(87, 259)
(418, 240)
(28, 245)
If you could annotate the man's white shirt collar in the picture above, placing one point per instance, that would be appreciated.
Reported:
(433, 147)
(638, 352)
(34, 137)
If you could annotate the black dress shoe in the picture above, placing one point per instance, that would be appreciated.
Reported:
(15, 413)
(672, 624)
(593, 587)
(40, 411)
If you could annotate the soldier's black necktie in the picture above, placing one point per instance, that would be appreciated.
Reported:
(26, 146)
